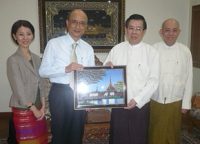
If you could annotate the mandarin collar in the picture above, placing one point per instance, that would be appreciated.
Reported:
(169, 47)
(136, 45)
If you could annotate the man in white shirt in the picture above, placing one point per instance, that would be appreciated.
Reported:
(173, 96)
(129, 125)
(67, 124)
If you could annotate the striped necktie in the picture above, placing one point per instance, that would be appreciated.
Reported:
(73, 54)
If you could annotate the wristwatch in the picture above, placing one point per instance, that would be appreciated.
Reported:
(30, 106)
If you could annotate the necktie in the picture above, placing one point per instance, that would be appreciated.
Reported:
(73, 59)
(73, 54)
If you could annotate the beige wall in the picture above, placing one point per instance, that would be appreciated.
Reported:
(10, 11)
(155, 11)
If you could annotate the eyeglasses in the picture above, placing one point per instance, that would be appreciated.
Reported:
(136, 29)
(80, 23)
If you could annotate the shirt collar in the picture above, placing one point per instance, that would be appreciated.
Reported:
(169, 47)
(136, 45)
(72, 40)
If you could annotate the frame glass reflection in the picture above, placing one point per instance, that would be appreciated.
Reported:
(100, 87)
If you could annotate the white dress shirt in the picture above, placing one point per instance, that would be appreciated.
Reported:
(142, 66)
(57, 56)
(175, 74)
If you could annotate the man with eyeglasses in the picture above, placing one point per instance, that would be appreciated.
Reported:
(129, 125)
(62, 56)
(173, 96)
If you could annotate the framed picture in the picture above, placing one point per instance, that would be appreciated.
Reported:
(100, 87)
(105, 21)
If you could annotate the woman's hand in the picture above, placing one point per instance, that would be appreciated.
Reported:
(37, 113)
(43, 111)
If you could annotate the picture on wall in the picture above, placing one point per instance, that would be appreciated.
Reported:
(105, 21)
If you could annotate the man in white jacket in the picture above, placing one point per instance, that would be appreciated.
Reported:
(129, 125)
(173, 95)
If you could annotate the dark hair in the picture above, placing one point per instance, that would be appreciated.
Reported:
(137, 17)
(18, 24)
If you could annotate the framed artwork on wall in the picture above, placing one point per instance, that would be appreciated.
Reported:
(105, 21)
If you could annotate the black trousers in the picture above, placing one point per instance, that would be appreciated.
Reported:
(67, 124)
(129, 126)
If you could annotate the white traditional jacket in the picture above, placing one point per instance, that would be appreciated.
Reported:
(175, 74)
(142, 65)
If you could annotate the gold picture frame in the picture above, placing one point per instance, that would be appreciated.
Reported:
(105, 21)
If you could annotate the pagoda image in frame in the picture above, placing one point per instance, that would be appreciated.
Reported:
(97, 87)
